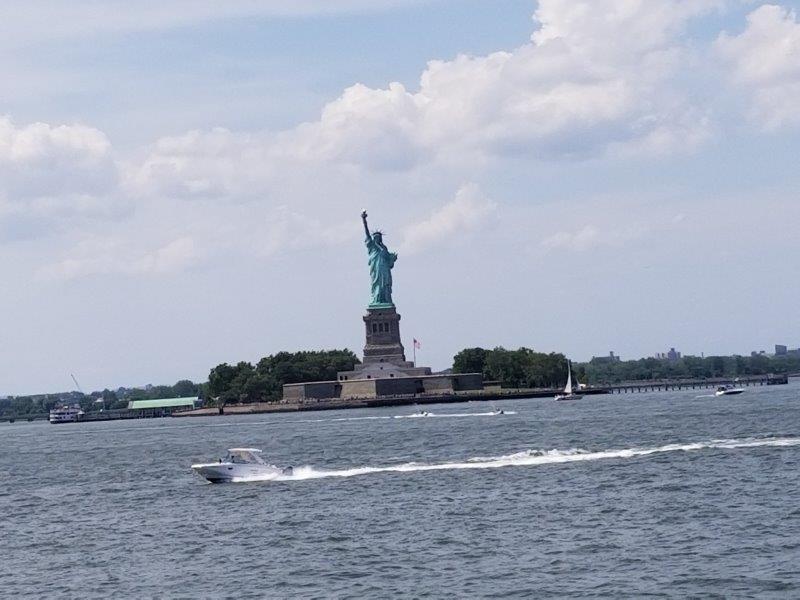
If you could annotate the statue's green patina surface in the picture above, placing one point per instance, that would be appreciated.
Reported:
(381, 262)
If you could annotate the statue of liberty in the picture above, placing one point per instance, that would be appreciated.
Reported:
(381, 262)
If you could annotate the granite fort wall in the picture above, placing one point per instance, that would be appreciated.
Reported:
(395, 386)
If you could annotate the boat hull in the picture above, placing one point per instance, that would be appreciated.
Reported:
(232, 473)
(568, 397)
(65, 415)
(735, 392)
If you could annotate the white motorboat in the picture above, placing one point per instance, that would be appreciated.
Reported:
(66, 414)
(727, 390)
(568, 394)
(241, 464)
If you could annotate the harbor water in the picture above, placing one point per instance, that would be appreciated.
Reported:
(663, 494)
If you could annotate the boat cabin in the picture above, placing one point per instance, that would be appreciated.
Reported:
(244, 456)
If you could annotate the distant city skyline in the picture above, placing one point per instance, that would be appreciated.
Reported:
(181, 185)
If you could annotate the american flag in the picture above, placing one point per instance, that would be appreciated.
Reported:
(417, 345)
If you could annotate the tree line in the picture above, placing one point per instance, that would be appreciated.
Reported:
(99, 400)
(601, 371)
(244, 382)
(525, 368)
(239, 383)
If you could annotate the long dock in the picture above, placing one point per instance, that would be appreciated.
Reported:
(106, 415)
(632, 387)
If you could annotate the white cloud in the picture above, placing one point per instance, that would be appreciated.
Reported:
(41, 143)
(621, 29)
(174, 256)
(582, 239)
(570, 93)
(595, 74)
(109, 255)
(590, 237)
(375, 128)
(43, 160)
(52, 176)
(197, 164)
(597, 78)
(288, 230)
(467, 211)
(765, 59)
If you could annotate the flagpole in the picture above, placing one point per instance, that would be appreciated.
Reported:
(415, 352)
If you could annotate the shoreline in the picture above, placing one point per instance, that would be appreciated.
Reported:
(630, 387)
(378, 402)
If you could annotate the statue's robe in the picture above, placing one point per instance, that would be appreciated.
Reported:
(381, 262)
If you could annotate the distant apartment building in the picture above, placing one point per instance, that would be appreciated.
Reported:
(605, 360)
(672, 355)
(783, 350)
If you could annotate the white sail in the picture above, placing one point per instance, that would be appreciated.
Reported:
(568, 389)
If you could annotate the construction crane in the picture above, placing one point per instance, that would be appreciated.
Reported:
(78, 385)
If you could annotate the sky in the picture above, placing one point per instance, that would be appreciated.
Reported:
(181, 183)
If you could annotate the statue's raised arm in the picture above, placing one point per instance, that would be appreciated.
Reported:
(366, 227)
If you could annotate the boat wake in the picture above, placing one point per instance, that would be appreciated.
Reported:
(532, 458)
(453, 415)
(275, 423)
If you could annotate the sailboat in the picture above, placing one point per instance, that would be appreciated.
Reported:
(568, 394)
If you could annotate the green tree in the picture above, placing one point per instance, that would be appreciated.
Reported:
(514, 368)
(185, 388)
(264, 382)
(470, 360)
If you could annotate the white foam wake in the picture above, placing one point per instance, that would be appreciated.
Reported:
(452, 415)
(532, 458)
(274, 423)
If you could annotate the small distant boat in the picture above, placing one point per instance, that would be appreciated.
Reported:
(240, 464)
(568, 394)
(66, 414)
(727, 390)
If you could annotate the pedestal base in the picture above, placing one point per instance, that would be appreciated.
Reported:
(384, 355)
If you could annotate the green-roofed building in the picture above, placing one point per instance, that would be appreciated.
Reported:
(163, 406)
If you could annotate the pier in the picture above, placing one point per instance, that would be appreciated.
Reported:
(632, 387)
(105, 415)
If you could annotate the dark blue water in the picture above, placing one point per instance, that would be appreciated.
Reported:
(625, 496)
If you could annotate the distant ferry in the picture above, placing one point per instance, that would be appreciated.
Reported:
(66, 414)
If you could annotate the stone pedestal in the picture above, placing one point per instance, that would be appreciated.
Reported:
(384, 355)
(383, 338)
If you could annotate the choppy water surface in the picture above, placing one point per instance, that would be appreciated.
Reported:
(663, 494)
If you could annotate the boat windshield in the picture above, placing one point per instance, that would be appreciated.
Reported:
(244, 457)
